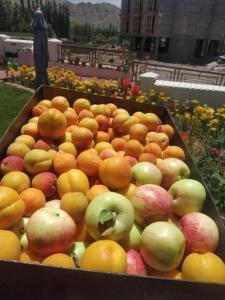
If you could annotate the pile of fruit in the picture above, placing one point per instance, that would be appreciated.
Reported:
(93, 187)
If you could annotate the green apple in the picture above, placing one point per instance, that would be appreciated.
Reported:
(146, 173)
(188, 196)
(76, 251)
(133, 239)
(162, 246)
(109, 215)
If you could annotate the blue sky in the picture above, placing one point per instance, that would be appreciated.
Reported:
(115, 2)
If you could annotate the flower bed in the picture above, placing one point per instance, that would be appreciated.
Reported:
(201, 126)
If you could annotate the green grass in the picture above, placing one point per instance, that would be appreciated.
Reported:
(11, 101)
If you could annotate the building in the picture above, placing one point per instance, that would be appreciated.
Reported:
(181, 31)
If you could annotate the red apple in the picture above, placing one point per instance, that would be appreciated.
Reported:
(135, 263)
(200, 232)
(50, 230)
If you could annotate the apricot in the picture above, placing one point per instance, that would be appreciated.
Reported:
(96, 190)
(72, 181)
(85, 113)
(75, 204)
(46, 103)
(90, 124)
(60, 103)
(115, 172)
(44, 144)
(37, 161)
(112, 107)
(38, 110)
(71, 128)
(92, 108)
(31, 129)
(103, 122)
(82, 137)
(125, 126)
(131, 159)
(99, 147)
(64, 162)
(127, 190)
(118, 121)
(68, 147)
(33, 199)
(107, 153)
(126, 137)
(45, 182)
(167, 129)
(11, 163)
(133, 148)
(26, 139)
(16, 180)
(67, 137)
(88, 161)
(139, 114)
(154, 149)
(138, 132)
(148, 157)
(111, 133)
(119, 111)
(52, 153)
(159, 138)
(71, 117)
(150, 120)
(33, 120)
(52, 124)
(118, 144)
(102, 136)
(174, 152)
(81, 104)
(101, 109)
(17, 149)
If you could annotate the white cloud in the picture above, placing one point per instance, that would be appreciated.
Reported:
(115, 2)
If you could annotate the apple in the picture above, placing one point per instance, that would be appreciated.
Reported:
(135, 263)
(146, 173)
(162, 246)
(76, 251)
(200, 232)
(172, 170)
(151, 203)
(109, 215)
(19, 228)
(24, 242)
(50, 230)
(53, 203)
(188, 196)
(133, 239)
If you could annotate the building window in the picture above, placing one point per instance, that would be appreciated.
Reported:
(164, 45)
(199, 46)
(127, 26)
(151, 5)
(150, 24)
(138, 5)
(137, 24)
(126, 5)
(150, 44)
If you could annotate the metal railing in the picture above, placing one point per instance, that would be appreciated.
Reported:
(171, 73)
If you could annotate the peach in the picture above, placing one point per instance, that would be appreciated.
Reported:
(46, 103)
(17, 149)
(52, 124)
(82, 137)
(72, 181)
(90, 124)
(38, 110)
(103, 122)
(109, 175)
(107, 153)
(127, 190)
(30, 128)
(99, 147)
(11, 163)
(26, 139)
(89, 162)
(64, 162)
(96, 190)
(102, 136)
(133, 148)
(102, 109)
(118, 144)
(119, 111)
(16, 180)
(148, 157)
(60, 103)
(150, 120)
(131, 159)
(174, 151)
(33, 120)
(37, 161)
(44, 144)
(154, 149)
(85, 113)
(167, 129)
(81, 104)
(71, 128)
(159, 138)
(112, 107)
(45, 182)
(118, 121)
(138, 132)
(71, 117)
(125, 127)
(68, 147)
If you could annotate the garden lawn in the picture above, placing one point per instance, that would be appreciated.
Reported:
(11, 102)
